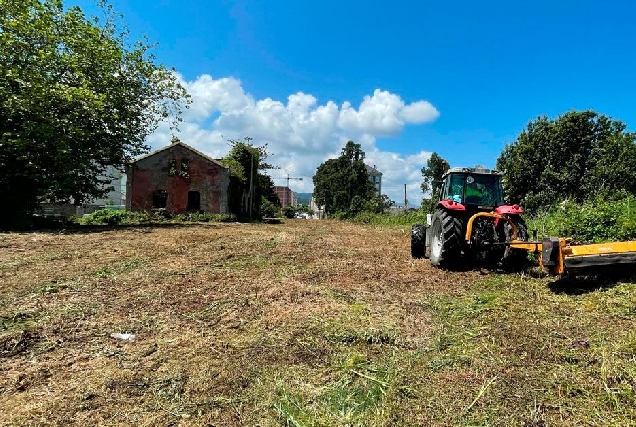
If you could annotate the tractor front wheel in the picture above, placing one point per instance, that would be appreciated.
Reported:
(446, 240)
(418, 241)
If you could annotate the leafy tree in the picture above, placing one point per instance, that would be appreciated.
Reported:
(342, 185)
(432, 174)
(432, 180)
(578, 156)
(379, 204)
(245, 160)
(76, 96)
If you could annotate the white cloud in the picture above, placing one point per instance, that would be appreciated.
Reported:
(384, 114)
(302, 133)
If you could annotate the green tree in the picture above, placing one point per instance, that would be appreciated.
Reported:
(342, 185)
(76, 96)
(432, 174)
(577, 156)
(379, 204)
(248, 187)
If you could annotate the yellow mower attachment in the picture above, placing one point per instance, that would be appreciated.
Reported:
(558, 255)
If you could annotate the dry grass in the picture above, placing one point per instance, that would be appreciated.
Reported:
(304, 323)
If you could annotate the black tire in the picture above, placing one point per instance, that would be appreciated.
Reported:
(446, 240)
(418, 241)
(515, 259)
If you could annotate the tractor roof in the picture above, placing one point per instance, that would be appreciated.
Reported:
(476, 170)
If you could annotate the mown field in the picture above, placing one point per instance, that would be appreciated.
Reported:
(305, 323)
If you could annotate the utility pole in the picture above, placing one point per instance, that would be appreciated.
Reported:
(406, 202)
(251, 184)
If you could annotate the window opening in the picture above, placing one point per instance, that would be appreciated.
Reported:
(159, 199)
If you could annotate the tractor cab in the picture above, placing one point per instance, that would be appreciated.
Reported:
(478, 187)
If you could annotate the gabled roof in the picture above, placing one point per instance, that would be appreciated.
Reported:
(187, 147)
(371, 170)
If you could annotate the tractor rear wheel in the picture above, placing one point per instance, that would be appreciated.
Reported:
(515, 259)
(446, 240)
(418, 241)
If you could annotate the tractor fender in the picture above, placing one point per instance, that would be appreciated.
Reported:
(509, 210)
(451, 205)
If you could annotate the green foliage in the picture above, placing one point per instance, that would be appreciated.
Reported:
(289, 211)
(115, 217)
(76, 96)
(342, 185)
(378, 204)
(121, 217)
(599, 220)
(244, 161)
(579, 156)
(407, 218)
(268, 209)
(428, 205)
(432, 174)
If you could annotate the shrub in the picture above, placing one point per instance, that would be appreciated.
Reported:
(121, 217)
(599, 220)
(268, 209)
(115, 217)
(289, 211)
(407, 218)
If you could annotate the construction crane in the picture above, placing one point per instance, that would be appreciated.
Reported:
(287, 178)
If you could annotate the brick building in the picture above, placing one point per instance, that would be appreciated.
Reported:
(177, 178)
(286, 196)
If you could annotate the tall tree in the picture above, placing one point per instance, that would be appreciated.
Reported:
(247, 185)
(76, 96)
(432, 174)
(577, 156)
(342, 185)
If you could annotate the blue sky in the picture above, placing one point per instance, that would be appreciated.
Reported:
(460, 78)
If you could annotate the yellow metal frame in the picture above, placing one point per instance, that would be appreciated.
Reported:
(565, 248)
(514, 242)
(469, 225)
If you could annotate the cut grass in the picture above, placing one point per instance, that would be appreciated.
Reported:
(312, 323)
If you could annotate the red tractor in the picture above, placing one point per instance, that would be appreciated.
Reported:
(472, 223)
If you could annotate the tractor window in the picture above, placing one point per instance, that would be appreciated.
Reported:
(454, 188)
(483, 190)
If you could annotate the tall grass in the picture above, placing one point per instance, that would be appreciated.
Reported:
(596, 221)
(403, 218)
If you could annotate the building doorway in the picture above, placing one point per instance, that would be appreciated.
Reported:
(194, 201)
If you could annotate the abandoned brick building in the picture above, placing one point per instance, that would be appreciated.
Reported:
(177, 178)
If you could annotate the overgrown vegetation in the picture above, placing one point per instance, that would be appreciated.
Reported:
(407, 218)
(251, 193)
(122, 217)
(598, 220)
(578, 156)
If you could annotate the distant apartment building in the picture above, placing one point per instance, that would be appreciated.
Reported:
(375, 176)
(286, 196)
(319, 211)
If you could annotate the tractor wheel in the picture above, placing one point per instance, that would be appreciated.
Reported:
(418, 241)
(515, 259)
(446, 240)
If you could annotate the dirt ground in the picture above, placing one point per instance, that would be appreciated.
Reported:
(300, 323)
